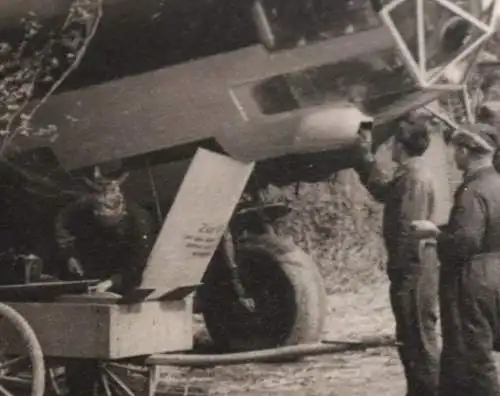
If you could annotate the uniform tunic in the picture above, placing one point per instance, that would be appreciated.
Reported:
(469, 250)
(412, 267)
(105, 251)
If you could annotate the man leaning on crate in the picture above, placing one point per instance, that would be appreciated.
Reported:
(102, 236)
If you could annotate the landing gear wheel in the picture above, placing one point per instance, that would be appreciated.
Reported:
(286, 286)
(21, 370)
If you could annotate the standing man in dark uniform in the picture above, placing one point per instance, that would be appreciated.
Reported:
(469, 251)
(412, 265)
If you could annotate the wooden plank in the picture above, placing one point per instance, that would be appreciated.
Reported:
(195, 223)
(43, 290)
(96, 330)
(141, 329)
(63, 330)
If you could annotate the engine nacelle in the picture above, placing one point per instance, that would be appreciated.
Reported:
(330, 127)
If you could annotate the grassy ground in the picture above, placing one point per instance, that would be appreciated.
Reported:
(371, 372)
(352, 316)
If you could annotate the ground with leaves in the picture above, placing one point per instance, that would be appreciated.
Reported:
(352, 316)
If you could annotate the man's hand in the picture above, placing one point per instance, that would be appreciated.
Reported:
(74, 267)
(422, 229)
(365, 140)
(103, 286)
(248, 303)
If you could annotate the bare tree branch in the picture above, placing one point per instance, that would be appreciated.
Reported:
(30, 73)
(76, 62)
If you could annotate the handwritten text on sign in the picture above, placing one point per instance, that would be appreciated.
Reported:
(196, 221)
(203, 243)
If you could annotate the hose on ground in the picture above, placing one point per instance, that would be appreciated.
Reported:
(267, 355)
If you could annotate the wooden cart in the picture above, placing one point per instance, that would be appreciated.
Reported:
(109, 339)
(39, 338)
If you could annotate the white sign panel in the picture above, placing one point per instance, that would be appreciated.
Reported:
(196, 222)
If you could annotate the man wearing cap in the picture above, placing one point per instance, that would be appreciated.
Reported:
(490, 116)
(102, 236)
(469, 251)
(412, 264)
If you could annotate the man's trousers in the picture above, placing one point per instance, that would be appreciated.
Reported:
(414, 295)
(470, 319)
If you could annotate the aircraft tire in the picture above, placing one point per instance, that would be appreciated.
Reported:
(288, 290)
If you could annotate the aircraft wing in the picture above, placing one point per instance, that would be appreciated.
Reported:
(184, 103)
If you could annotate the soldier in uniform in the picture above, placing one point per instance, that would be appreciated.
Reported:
(412, 266)
(101, 236)
(469, 251)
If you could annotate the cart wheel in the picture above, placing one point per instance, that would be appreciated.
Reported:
(54, 378)
(286, 286)
(22, 369)
(100, 378)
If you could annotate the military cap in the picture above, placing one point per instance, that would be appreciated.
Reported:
(478, 136)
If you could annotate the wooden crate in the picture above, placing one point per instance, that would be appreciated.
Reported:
(106, 330)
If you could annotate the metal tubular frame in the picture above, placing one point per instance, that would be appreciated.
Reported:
(428, 79)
